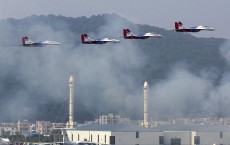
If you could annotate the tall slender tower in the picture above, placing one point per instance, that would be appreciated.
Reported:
(146, 89)
(71, 102)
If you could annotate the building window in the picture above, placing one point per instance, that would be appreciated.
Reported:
(72, 137)
(221, 134)
(175, 141)
(78, 137)
(137, 134)
(196, 139)
(98, 138)
(112, 140)
(105, 138)
(161, 140)
(91, 138)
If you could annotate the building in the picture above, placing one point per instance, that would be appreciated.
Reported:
(59, 125)
(120, 134)
(112, 119)
(23, 126)
(10, 130)
(33, 127)
(43, 127)
(1, 131)
(8, 124)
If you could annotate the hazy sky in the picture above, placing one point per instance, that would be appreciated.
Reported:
(103, 81)
(160, 13)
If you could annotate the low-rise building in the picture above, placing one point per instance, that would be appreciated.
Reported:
(112, 119)
(33, 127)
(120, 134)
(58, 125)
(43, 127)
(23, 126)
(1, 131)
(10, 130)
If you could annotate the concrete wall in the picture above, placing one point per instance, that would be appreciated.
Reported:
(214, 138)
(1, 131)
(149, 138)
(92, 136)
(187, 137)
(102, 137)
(129, 138)
(121, 138)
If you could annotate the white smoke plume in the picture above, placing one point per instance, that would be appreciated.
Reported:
(180, 94)
(185, 94)
(102, 80)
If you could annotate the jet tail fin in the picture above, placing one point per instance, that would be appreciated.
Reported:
(23, 41)
(126, 32)
(85, 38)
(26, 41)
(178, 25)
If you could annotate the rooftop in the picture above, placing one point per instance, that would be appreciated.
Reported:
(134, 128)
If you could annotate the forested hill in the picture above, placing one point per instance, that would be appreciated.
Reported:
(109, 78)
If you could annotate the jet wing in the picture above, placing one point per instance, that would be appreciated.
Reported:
(152, 35)
(205, 28)
(48, 42)
(115, 40)
(109, 40)
(105, 39)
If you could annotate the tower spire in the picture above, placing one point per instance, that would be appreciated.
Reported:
(71, 103)
(146, 88)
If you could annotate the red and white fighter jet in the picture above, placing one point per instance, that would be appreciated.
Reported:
(129, 35)
(179, 28)
(87, 40)
(27, 42)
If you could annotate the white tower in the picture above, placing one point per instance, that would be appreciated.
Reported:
(71, 103)
(146, 89)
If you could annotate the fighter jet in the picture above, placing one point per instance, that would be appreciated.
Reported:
(87, 40)
(129, 35)
(179, 28)
(27, 42)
